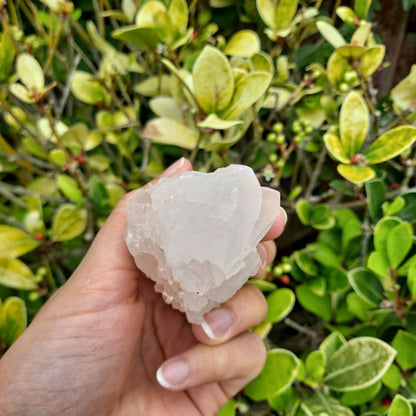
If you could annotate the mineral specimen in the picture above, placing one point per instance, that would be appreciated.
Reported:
(195, 235)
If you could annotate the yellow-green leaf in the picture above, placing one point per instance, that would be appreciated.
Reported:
(14, 319)
(354, 123)
(334, 146)
(266, 9)
(390, 144)
(166, 107)
(30, 72)
(68, 222)
(178, 13)
(372, 59)
(243, 43)
(22, 93)
(361, 35)
(88, 90)
(247, 91)
(167, 131)
(351, 51)
(15, 274)
(356, 174)
(69, 187)
(142, 37)
(262, 62)
(330, 34)
(15, 242)
(213, 80)
(284, 13)
(214, 122)
(404, 93)
(337, 66)
(149, 12)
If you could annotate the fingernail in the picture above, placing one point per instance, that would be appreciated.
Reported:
(217, 322)
(173, 168)
(285, 214)
(262, 250)
(172, 374)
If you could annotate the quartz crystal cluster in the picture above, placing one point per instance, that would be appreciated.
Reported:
(195, 235)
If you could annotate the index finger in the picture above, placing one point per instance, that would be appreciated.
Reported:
(278, 226)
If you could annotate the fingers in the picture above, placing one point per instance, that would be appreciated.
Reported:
(246, 308)
(278, 227)
(240, 359)
(267, 252)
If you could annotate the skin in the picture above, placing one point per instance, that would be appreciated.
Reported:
(96, 345)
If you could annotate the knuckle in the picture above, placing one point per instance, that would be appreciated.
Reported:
(259, 353)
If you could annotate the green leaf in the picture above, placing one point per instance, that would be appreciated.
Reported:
(166, 131)
(141, 37)
(379, 264)
(321, 217)
(15, 242)
(89, 90)
(361, 8)
(262, 62)
(68, 222)
(354, 123)
(330, 34)
(394, 207)
(244, 43)
(335, 148)
(358, 397)
(358, 307)
(30, 72)
(213, 80)
(7, 54)
(319, 305)
(303, 209)
(390, 144)
(69, 187)
(399, 243)
(285, 401)
(404, 93)
(14, 319)
(280, 304)
(372, 59)
(392, 378)
(411, 280)
(228, 409)
(331, 344)
(248, 90)
(358, 364)
(405, 345)
(381, 232)
(400, 406)
(356, 174)
(315, 365)
(278, 374)
(15, 274)
(366, 285)
(376, 195)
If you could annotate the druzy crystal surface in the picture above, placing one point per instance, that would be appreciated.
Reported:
(195, 235)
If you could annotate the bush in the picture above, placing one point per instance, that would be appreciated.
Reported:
(97, 102)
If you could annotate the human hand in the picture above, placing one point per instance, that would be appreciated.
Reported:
(96, 346)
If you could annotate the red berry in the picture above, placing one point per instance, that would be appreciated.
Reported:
(285, 279)
(39, 236)
(79, 159)
(386, 401)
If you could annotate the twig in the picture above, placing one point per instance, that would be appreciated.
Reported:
(303, 330)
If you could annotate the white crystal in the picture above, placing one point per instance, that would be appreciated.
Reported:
(195, 235)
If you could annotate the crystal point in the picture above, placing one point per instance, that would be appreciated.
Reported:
(195, 235)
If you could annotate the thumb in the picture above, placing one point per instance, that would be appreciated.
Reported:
(108, 264)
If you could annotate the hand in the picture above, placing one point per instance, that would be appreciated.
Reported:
(97, 344)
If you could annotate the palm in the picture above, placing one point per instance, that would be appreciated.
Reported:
(165, 333)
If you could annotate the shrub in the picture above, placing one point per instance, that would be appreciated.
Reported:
(96, 102)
